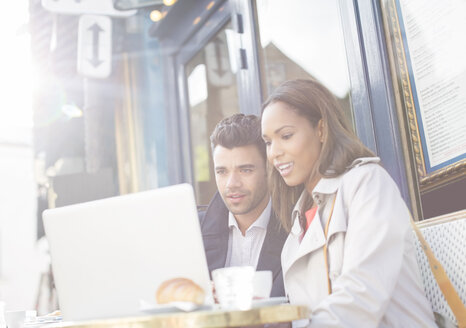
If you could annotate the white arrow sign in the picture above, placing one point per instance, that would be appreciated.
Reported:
(79, 7)
(95, 46)
(218, 63)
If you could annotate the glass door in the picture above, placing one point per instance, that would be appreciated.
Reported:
(207, 91)
(303, 39)
(212, 96)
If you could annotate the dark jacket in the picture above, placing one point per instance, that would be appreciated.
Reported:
(215, 233)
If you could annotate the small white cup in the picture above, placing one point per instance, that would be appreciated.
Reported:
(234, 287)
(262, 284)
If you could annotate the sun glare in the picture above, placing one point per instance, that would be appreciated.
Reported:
(15, 68)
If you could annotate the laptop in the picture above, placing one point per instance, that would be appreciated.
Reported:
(109, 255)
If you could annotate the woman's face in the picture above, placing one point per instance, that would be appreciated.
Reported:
(293, 145)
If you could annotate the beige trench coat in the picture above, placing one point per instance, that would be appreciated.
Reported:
(374, 276)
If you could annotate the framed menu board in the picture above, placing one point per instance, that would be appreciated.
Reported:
(426, 41)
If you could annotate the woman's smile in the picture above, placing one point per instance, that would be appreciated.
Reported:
(284, 168)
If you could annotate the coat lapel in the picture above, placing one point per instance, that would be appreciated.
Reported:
(313, 239)
(338, 223)
(269, 258)
(215, 233)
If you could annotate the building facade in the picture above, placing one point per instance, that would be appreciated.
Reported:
(146, 124)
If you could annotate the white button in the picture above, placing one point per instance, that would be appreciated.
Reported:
(317, 199)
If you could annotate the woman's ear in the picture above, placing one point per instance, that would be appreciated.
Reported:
(320, 130)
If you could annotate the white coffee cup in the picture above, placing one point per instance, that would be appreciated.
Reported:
(262, 284)
(234, 287)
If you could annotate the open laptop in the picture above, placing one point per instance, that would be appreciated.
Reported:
(109, 254)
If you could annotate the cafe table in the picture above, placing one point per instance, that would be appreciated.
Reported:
(201, 319)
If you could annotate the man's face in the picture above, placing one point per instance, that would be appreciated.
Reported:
(241, 179)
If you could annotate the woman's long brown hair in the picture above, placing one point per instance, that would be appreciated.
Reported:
(340, 147)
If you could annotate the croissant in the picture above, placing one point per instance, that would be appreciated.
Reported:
(180, 290)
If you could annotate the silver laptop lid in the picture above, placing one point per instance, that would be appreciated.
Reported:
(109, 254)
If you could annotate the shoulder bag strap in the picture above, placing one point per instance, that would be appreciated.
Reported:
(329, 283)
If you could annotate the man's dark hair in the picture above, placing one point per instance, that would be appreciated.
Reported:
(238, 130)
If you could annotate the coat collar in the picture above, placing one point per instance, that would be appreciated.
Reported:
(328, 186)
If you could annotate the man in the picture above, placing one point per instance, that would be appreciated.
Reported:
(239, 227)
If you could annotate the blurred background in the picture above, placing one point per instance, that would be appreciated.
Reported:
(20, 263)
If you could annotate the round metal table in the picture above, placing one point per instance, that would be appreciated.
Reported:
(204, 319)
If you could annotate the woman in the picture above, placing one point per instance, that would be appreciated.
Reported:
(349, 254)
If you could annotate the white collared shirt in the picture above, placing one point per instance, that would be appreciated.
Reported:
(245, 250)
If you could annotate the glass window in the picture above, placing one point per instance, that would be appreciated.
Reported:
(213, 96)
(303, 39)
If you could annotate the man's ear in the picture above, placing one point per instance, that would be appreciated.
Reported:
(320, 130)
